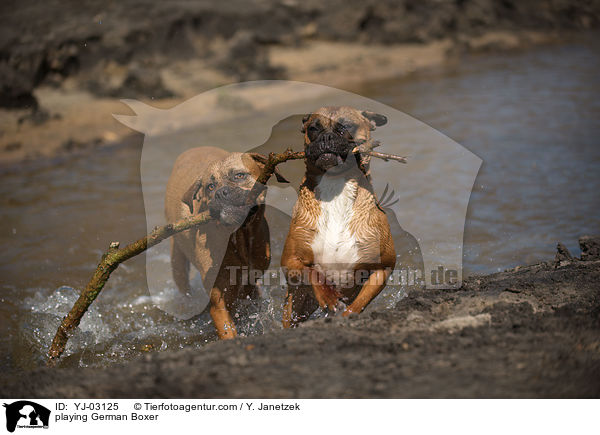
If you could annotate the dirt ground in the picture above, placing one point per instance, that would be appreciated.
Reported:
(531, 332)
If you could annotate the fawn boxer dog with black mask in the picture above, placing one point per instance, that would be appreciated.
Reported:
(208, 178)
(339, 247)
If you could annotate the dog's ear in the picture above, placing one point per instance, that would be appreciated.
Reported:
(377, 119)
(304, 119)
(191, 194)
(262, 160)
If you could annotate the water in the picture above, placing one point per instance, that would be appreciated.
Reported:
(533, 117)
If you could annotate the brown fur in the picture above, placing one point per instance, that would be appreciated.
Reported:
(213, 247)
(369, 226)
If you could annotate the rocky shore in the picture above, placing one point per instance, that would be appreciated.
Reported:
(65, 65)
(533, 331)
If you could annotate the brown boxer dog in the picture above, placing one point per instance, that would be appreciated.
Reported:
(208, 178)
(339, 247)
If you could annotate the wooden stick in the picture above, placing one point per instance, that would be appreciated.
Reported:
(386, 156)
(383, 156)
(109, 262)
(115, 256)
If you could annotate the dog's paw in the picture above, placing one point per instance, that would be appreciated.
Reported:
(349, 312)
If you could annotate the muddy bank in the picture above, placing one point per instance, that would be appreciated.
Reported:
(528, 332)
(44, 43)
(65, 65)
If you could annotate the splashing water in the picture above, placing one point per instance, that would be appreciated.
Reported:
(113, 333)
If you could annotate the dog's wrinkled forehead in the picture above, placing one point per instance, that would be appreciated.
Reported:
(358, 123)
(330, 116)
(234, 163)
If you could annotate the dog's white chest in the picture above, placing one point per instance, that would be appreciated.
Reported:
(334, 247)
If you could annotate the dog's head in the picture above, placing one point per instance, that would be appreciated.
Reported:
(332, 133)
(225, 187)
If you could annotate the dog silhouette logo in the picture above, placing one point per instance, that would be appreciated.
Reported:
(425, 200)
(26, 414)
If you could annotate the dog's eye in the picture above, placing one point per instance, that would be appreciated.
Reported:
(240, 175)
(210, 187)
(312, 129)
(345, 128)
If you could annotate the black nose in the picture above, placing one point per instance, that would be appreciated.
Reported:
(223, 193)
(327, 137)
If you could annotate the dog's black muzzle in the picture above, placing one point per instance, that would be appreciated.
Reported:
(328, 150)
(230, 205)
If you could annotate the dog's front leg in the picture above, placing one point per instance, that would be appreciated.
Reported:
(299, 300)
(180, 266)
(299, 305)
(370, 289)
(220, 315)
(327, 296)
